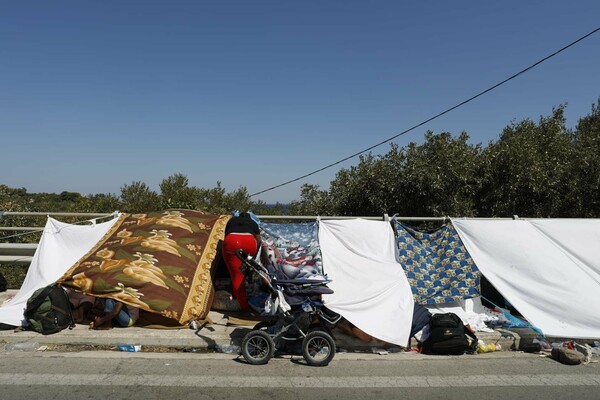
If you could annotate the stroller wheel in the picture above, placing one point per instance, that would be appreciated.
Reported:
(318, 348)
(258, 347)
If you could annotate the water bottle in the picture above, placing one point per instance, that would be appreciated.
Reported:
(195, 325)
(22, 346)
(229, 349)
(129, 347)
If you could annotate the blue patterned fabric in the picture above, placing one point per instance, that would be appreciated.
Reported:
(298, 247)
(437, 264)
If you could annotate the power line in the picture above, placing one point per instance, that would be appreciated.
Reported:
(432, 118)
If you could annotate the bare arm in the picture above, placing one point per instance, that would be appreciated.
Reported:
(102, 322)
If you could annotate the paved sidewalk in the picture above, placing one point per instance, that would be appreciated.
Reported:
(224, 334)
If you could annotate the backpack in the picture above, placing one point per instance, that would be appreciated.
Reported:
(48, 310)
(448, 336)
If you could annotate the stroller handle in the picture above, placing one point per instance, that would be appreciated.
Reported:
(242, 255)
(248, 263)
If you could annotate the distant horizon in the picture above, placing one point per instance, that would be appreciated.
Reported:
(274, 204)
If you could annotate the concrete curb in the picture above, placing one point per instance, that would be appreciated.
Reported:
(216, 337)
(220, 336)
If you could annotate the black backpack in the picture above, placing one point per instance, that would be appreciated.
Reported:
(449, 336)
(48, 310)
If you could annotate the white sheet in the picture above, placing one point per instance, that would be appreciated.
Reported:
(60, 246)
(578, 238)
(547, 269)
(370, 287)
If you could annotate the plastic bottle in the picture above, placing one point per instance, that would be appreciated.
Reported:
(228, 349)
(483, 347)
(195, 325)
(129, 347)
(22, 346)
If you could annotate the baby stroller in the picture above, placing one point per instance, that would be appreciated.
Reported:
(298, 316)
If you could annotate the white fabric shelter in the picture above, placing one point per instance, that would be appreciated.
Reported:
(59, 248)
(547, 269)
(370, 287)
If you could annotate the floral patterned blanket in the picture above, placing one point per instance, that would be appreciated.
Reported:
(160, 262)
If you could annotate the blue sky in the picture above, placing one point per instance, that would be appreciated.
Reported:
(98, 94)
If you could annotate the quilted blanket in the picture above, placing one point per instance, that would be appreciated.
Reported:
(437, 265)
(292, 248)
(160, 262)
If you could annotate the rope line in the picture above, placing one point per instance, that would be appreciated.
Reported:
(434, 117)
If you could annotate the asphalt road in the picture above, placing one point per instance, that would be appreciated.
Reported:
(115, 375)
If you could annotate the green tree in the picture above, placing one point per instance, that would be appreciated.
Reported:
(365, 189)
(139, 198)
(436, 178)
(313, 201)
(585, 181)
(217, 201)
(100, 203)
(526, 172)
(440, 177)
(176, 193)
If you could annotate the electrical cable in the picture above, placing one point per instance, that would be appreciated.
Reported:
(432, 118)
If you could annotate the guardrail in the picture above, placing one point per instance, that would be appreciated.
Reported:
(22, 253)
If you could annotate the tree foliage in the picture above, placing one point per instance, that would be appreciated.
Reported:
(534, 169)
(139, 198)
(438, 177)
(584, 196)
(527, 171)
(313, 201)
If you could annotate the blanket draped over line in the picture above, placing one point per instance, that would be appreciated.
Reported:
(160, 262)
(60, 246)
(549, 270)
(298, 247)
(370, 287)
(437, 264)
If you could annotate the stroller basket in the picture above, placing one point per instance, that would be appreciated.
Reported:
(295, 291)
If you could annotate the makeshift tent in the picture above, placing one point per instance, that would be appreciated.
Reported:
(437, 265)
(370, 287)
(548, 270)
(60, 246)
(160, 262)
